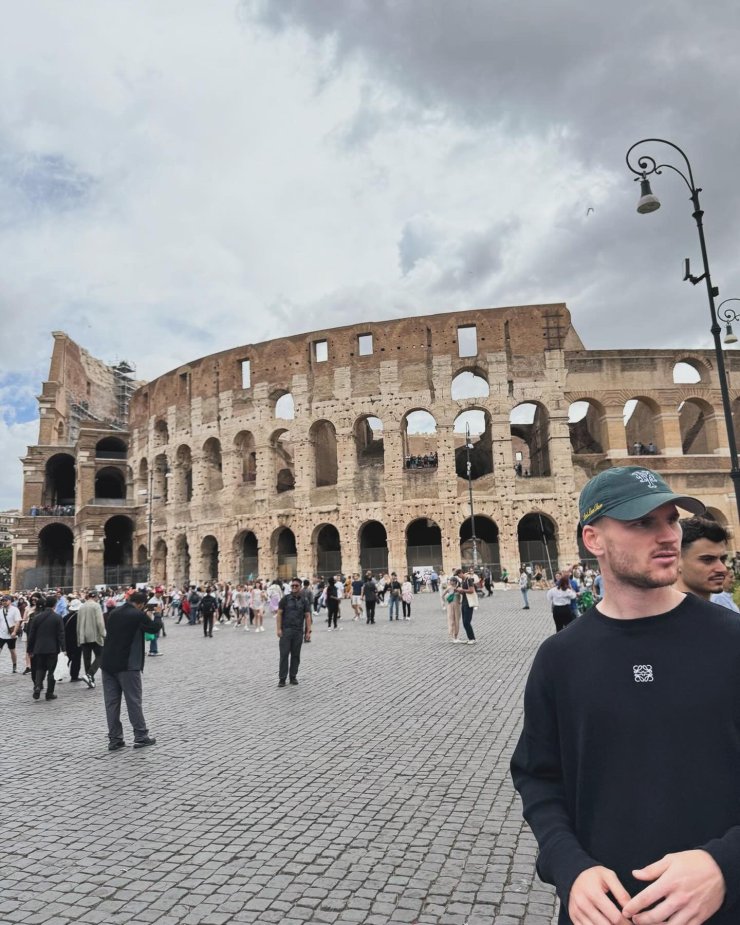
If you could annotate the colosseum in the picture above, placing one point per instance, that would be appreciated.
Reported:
(359, 447)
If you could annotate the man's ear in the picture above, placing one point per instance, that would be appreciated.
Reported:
(593, 539)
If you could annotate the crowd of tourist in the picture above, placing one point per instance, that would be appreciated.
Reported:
(52, 510)
(428, 461)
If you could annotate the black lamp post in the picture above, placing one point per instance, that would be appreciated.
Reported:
(643, 166)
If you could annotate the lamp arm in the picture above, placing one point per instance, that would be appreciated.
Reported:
(727, 315)
(646, 164)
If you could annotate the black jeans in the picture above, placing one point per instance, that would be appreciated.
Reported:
(467, 620)
(207, 623)
(370, 611)
(562, 614)
(43, 668)
(332, 609)
(290, 653)
(90, 649)
(406, 609)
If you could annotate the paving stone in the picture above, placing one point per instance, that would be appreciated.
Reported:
(375, 792)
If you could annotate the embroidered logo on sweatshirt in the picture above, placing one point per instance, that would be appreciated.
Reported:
(643, 673)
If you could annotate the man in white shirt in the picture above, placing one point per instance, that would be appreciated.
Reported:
(724, 598)
(10, 624)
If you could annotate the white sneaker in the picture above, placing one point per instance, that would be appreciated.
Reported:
(472, 642)
(246, 629)
(457, 640)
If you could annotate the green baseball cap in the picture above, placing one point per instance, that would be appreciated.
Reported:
(628, 493)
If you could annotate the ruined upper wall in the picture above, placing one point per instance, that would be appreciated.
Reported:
(521, 333)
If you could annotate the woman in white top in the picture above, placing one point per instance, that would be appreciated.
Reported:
(560, 598)
(258, 607)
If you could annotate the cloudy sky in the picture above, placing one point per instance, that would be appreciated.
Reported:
(179, 176)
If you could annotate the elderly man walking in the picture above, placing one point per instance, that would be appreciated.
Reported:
(90, 635)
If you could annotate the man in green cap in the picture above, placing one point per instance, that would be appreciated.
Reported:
(628, 764)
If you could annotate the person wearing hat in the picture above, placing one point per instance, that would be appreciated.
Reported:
(628, 763)
(71, 647)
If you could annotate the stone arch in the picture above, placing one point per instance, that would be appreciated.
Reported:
(698, 423)
(110, 484)
(283, 405)
(688, 369)
(159, 562)
(213, 466)
(54, 554)
(111, 448)
(368, 433)
(327, 546)
(587, 427)
(142, 554)
(246, 550)
(420, 440)
(470, 382)
(247, 454)
(209, 558)
(373, 543)
(60, 480)
(643, 426)
(323, 440)
(537, 537)
(530, 438)
(183, 473)
(423, 544)
(160, 433)
(142, 481)
(182, 560)
(282, 450)
(118, 551)
(285, 552)
(487, 541)
(477, 423)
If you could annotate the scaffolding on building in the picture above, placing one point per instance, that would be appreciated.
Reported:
(124, 384)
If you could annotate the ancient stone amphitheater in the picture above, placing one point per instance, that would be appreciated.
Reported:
(350, 448)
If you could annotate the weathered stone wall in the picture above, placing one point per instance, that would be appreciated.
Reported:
(234, 480)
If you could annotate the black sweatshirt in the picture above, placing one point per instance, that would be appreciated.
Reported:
(631, 746)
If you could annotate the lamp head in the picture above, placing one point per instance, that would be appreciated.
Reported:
(730, 337)
(647, 202)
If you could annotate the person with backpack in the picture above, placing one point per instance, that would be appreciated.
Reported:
(208, 608)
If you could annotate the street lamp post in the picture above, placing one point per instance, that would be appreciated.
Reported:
(643, 166)
(468, 447)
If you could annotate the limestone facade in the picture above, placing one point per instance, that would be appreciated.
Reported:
(314, 453)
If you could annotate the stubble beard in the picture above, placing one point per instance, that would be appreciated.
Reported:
(625, 573)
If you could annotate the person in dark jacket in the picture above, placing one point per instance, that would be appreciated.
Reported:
(45, 642)
(122, 667)
(208, 608)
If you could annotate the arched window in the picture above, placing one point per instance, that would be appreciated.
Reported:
(423, 545)
(284, 407)
(530, 439)
(110, 484)
(470, 383)
(183, 474)
(282, 451)
(213, 464)
(159, 562)
(54, 557)
(110, 448)
(59, 481)
(473, 444)
(323, 439)
(698, 424)
(642, 426)
(420, 448)
(182, 560)
(118, 550)
(369, 441)
(586, 427)
(686, 372)
(373, 547)
(244, 446)
(486, 542)
(247, 553)
(286, 554)
(161, 433)
(538, 546)
(328, 550)
(209, 558)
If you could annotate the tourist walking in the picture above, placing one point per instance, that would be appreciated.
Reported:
(357, 596)
(524, 585)
(123, 665)
(561, 598)
(293, 625)
(45, 642)
(208, 608)
(468, 605)
(453, 606)
(394, 596)
(258, 607)
(10, 623)
(90, 635)
(332, 602)
(632, 715)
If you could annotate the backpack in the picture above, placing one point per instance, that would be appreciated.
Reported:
(208, 605)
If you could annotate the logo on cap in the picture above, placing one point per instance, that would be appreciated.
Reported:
(646, 477)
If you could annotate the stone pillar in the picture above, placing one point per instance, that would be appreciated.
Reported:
(346, 460)
(304, 550)
(393, 463)
(615, 434)
(266, 470)
(668, 433)
(231, 468)
(503, 464)
(561, 465)
(446, 474)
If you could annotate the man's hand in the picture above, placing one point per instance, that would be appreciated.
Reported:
(690, 885)
(307, 636)
(279, 632)
(588, 903)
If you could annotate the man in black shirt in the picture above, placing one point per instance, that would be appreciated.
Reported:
(628, 764)
(370, 597)
(293, 627)
(208, 608)
(123, 664)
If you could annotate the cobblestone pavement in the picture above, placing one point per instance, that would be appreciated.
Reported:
(377, 791)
